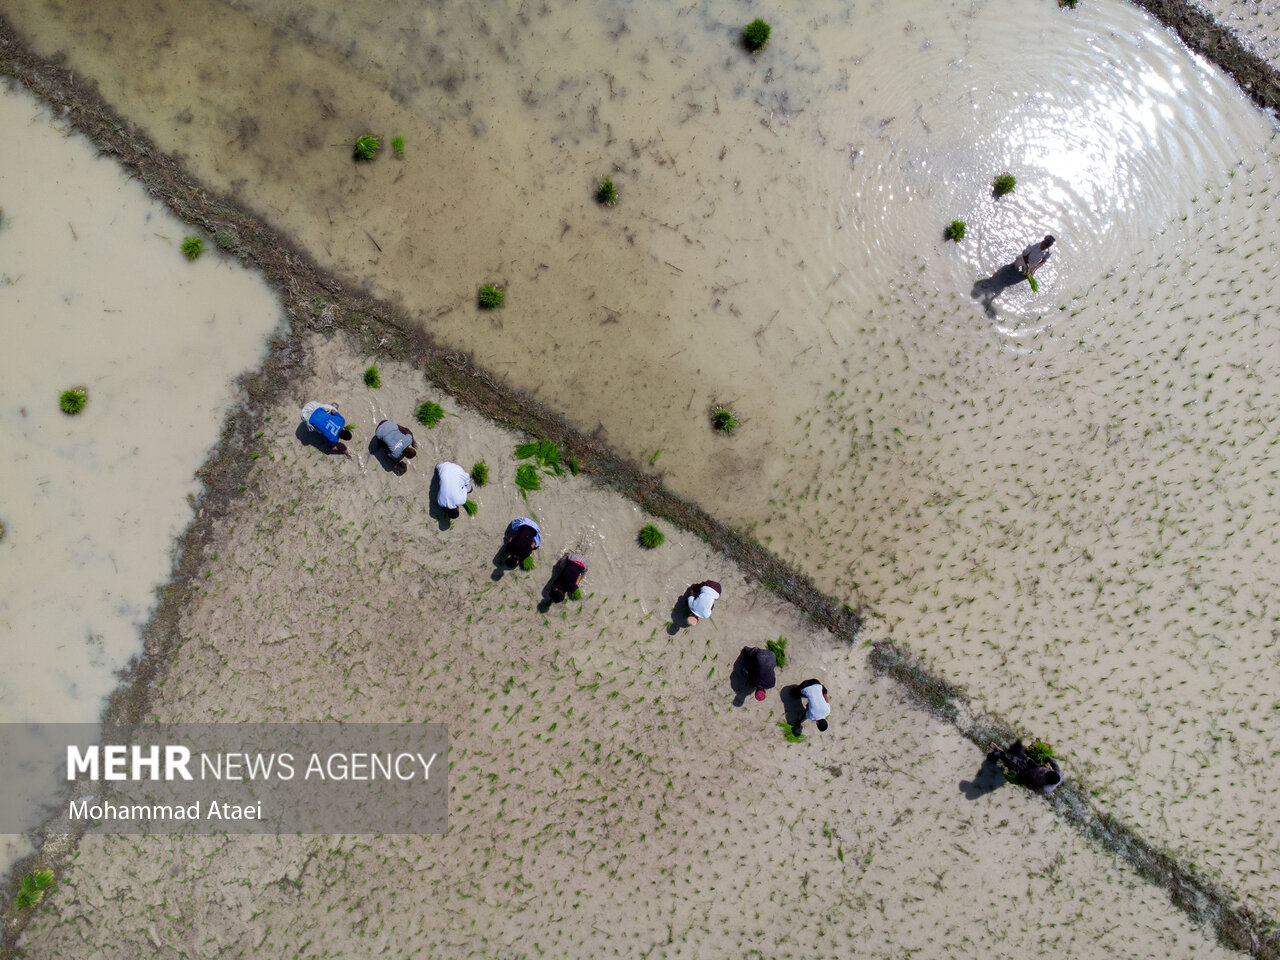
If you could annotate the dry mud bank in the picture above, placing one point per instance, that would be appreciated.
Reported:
(1033, 498)
(606, 797)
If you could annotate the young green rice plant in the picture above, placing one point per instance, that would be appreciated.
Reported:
(34, 886)
(193, 247)
(1040, 752)
(1035, 284)
(606, 193)
(789, 732)
(955, 230)
(527, 563)
(471, 507)
(429, 413)
(1003, 184)
(543, 452)
(372, 378)
(527, 479)
(650, 536)
(490, 297)
(366, 147)
(480, 473)
(72, 401)
(576, 594)
(722, 419)
(779, 650)
(397, 144)
(756, 34)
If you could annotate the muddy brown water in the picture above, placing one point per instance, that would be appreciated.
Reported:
(95, 292)
(1063, 499)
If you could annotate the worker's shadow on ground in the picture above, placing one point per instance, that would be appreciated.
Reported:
(314, 438)
(679, 616)
(988, 288)
(378, 451)
(792, 706)
(438, 513)
(990, 776)
(740, 681)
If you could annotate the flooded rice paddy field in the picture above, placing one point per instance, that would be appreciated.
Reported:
(95, 292)
(1063, 500)
(606, 796)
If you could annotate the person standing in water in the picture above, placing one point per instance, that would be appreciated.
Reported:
(1034, 257)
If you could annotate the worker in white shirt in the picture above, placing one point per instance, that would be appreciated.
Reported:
(455, 484)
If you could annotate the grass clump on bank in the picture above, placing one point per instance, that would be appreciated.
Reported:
(429, 413)
(650, 536)
(72, 401)
(722, 419)
(756, 34)
(193, 247)
(480, 473)
(955, 230)
(366, 147)
(490, 297)
(34, 886)
(372, 378)
(607, 193)
(1003, 184)
(397, 144)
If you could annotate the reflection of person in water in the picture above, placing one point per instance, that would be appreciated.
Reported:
(1034, 257)
(1039, 777)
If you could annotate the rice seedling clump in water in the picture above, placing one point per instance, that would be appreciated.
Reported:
(429, 413)
(480, 473)
(955, 230)
(650, 536)
(34, 886)
(756, 34)
(1003, 184)
(607, 193)
(471, 507)
(72, 401)
(372, 378)
(193, 247)
(576, 594)
(365, 147)
(397, 144)
(722, 419)
(527, 478)
(527, 563)
(779, 650)
(490, 297)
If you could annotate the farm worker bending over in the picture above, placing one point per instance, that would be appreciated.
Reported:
(817, 707)
(523, 537)
(455, 484)
(701, 597)
(324, 419)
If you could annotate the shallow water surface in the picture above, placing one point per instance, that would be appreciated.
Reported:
(1063, 498)
(95, 292)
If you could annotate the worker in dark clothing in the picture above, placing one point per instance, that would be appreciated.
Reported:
(760, 665)
(1042, 777)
